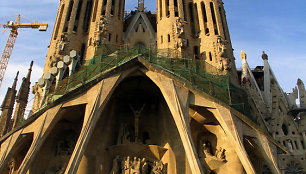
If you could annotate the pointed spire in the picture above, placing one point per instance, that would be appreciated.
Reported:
(22, 98)
(29, 71)
(7, 108)
(15, 81)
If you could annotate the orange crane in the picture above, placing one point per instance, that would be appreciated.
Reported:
(12, 39)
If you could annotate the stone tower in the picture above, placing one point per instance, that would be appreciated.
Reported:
(7, 108)
(82, 25)
(22, 98)
(197, 29)
(185, 28)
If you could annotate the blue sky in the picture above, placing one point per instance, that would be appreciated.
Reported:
(276, 26)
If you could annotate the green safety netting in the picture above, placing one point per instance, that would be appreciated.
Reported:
(196, 73)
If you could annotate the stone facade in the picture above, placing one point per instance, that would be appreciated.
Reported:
(99, 108)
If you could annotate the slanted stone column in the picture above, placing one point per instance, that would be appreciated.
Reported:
(226, 119)
(91, 118)
(177, 100)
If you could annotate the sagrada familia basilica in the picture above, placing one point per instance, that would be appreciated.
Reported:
(150, 93)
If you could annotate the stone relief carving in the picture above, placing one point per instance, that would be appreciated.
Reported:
(101, 31)
(128, 165)
(179, 27)
(221, 47)
(61, 44)
(221, 53)
(158, 168)
(210, 159)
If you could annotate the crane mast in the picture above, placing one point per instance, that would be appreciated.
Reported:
(12, 39)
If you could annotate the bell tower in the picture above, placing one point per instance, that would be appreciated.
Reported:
(83, 25)
(215, 43)
(175, 27)
(197, 29)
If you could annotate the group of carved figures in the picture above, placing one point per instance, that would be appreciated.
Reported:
(136, 165)
(207, 154)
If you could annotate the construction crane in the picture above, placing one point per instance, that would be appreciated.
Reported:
(14, 26)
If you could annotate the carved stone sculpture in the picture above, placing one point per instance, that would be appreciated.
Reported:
(179, 26)
(116, 166)
(137, 115)
(62, 43)
(221, 47)
(101, 31)
(157, 168)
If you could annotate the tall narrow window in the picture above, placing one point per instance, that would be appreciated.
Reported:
(223, 22)
(109, 37)
(192, 25)
(210, 56)
(161, 39)
(196, 52)
(175, 9)
(196, 18)
(213, 14)
(167, 8)
(204, 16)
(119, 9)
(77, 16)
(59, 20)
(160, 9)
(66, 24)
(95, 11)
(169, 38)
(87, 16)
(82, 54)
(103, 7)
(185, 11)
(113, 7)
(69, 11)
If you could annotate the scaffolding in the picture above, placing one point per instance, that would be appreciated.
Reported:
(195, 73)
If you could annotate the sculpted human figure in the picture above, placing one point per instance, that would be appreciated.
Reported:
(220, 153)
(115, 168)
(179, 26)
(144, 167)
(158, 168)
(207, 148)
(221, 47)
(135, 168)
(101, 31)
(137, 115)
(126, 165)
